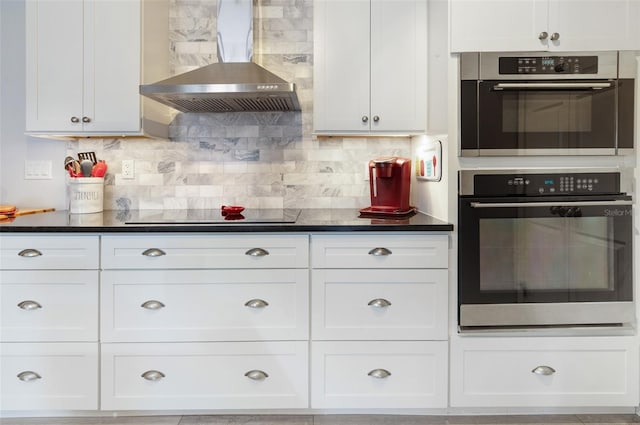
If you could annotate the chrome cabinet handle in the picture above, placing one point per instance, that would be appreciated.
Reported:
(552, 86)
(256, 303)
(379, 373)
(378, 252)
(379, 303)
(152, 305)
(257, 252)
(75, 120)
(544, 370)
(153, 252)
(29, 305)
(376, 118)
(543, 35)
(30, 253)
(555, 36)
(365, 118)
(28, 376)
(86, 119)
(257, 375)
(153, 375)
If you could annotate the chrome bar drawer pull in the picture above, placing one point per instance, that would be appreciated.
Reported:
(257, 252)
(544, 370)
(378, 252)
(379, 373)
(153, 375)
(256, 303)
(30, 253)
(153, 252)
(28, 376)
(379, 303)
(152, 305)
(257, 375)
(29, 305)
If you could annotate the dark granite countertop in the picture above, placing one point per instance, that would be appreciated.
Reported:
(288, 220)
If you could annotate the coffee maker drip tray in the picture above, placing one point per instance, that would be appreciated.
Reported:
(388, 212)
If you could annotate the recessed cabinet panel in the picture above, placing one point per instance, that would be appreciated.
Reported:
(64, 252)
(375, 374)
(379, 304)
(49, 376)
(370, 66)
(50, 305)
(544, 372)
(544, 25)
(245, 375)
(210, 305)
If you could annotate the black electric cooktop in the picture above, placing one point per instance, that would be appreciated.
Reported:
(182, 217)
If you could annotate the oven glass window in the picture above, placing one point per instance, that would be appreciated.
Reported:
(543, 112)
(546, 254)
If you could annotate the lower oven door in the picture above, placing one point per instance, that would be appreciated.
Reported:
(545, 263)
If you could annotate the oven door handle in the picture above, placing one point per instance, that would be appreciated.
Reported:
(552, 86)
(548, 204)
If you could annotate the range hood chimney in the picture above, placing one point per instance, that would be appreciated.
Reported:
(233, 84)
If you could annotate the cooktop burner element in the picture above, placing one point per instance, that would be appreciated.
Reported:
(213, 216)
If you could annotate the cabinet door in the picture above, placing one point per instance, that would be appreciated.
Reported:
(341, 65)
(398, 66)
(54, 65)
(498, 25)
(595, 25)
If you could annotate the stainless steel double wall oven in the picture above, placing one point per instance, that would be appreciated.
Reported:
(544, 248)
(537, 103)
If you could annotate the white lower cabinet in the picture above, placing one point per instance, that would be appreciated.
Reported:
(544, 371)
(204, 305)
(379, 374)
(49, 376)
(216, 375)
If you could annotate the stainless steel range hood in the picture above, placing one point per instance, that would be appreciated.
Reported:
(234, 83)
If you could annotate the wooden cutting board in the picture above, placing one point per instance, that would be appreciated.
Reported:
(20, 212)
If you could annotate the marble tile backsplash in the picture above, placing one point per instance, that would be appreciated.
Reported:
(259, 160)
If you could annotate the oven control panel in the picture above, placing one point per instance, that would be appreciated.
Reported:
(546, 184)
(548, 65)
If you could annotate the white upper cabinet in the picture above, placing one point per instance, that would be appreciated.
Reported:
(541, 25)
(83, 67)
(370, 66)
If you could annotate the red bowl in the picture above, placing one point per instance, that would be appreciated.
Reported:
(231, 209)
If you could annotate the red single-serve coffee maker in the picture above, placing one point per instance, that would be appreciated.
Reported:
(390, 187)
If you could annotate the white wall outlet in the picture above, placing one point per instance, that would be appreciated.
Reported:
(37, 170)
(128, 166)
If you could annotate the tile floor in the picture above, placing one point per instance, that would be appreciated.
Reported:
(590, 419)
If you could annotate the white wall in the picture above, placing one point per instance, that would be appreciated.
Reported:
(15, 147)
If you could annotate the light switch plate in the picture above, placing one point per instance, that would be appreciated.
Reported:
(37, 169)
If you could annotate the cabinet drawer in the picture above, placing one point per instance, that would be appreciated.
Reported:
(597, 371)
(49, 305)
(379, 251)
(379, 374)
(205, 251)
(379, 304)
(49, 252)
(49, 376)
(204, 305)
(246, 375)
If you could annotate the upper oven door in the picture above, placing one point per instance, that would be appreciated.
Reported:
(542, 117)
(545, 252)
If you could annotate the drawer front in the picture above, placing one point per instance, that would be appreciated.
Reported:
(204, 305)
(205, 251)
(379, 251)
(247, 375)
(49, 305)
(23, 252)
(597, 371)
(379, 374)
(49, 376)
(379, 304)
